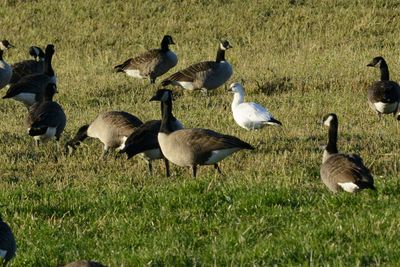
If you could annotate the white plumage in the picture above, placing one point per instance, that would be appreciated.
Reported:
(249, 115)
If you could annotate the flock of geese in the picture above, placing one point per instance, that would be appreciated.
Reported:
(33, 83)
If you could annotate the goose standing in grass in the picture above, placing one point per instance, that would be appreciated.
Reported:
(46, 119)
(30, 89)
(206, 75)
(29, 67)
(5, 68)
(8, 245)
(83, 263)
(193, 147)
(384, 95)
(112, 128)
(144, 140)
(249, 115)
(342, 171)
(152, 63)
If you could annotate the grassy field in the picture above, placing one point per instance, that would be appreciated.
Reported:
(301, 59)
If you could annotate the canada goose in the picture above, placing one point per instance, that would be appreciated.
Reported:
(30, 88)
(342, 171)
(144, 140)
(28, 67)
(83, 263)
(249, 115)
(5, 68)
(206, 75)
(112, 128)
(192, 147)
(152, 63)
(384, 95)
(46, 119)
(8, 245)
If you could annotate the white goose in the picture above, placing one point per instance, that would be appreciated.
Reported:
(249, 115)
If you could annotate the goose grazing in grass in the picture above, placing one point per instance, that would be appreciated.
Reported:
(112, 128)
(152, 63)
(8, 245)
(30, 89)
(206, 75)
(83, 263)
(342, 171)
(46, 119)
(29, 67)
(144, 140)
(5, 68)
(193, 147)
(384, 95)
(249, 115)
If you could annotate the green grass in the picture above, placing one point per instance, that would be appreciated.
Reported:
(301, 59)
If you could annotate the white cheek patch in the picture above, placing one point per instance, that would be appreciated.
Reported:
(349, 187)
(222, 47)
(3, 253)
(2, 47)
(123, 140)
(36, 51)
(327, 122)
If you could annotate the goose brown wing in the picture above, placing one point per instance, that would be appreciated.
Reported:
(384, 91)
(342, 168)
(142, 62)
(143, 138)
(125, 121)
(35, 83)
(45, 114)
(189, 74)
(25, 68)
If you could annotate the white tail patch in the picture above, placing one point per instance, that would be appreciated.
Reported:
(218, 155)
(3, 253)
(386, 107)
(185, 85)
(349, 187)
(134, 73)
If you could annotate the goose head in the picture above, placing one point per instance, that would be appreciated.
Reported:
(162, 95)
(225, 45)
(329, 119)
(376, 62)
(36, 52)
(236, 88)
(167, 40)
(4, 45)
(49, 49)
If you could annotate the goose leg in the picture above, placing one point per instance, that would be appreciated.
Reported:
(150, 167)
(216, 167)
(194, 171)
(167, 167)
(104, 153)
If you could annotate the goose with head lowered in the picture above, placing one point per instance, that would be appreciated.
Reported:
(8, 246)
(112, 128)
(193, 147)
(28, 67)
(46, 119)
(342, 171)
(384, 95)
(206, 75)
(152, 63)
(249, 115)
(30, 89)
(144, 141)
(5, 68)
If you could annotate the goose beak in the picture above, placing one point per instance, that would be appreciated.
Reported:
(370, 65)
(154, 98)
(10, 46)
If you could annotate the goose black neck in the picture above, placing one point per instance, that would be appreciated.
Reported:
(48, 69)
(220, 55)
(332, 136)
(164, 45)
(384, 71)
(1, 54)
(167, 117)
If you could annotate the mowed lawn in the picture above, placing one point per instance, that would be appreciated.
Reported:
(301, 59)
